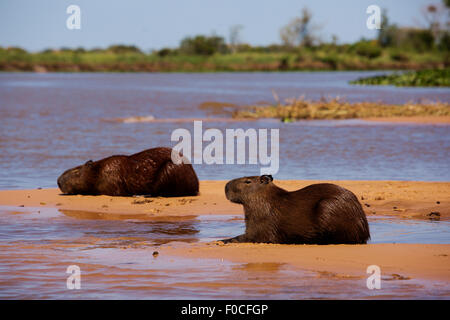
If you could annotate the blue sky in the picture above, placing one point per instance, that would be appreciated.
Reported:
(153, 24)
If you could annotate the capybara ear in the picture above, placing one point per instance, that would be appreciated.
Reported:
(89, 163)
(266, 178)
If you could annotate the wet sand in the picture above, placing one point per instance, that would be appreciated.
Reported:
(398, 262)
(397, 198)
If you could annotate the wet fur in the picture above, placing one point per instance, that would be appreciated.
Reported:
(150, 172)
(317, 214)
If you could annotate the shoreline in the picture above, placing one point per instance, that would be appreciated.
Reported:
(406, 199)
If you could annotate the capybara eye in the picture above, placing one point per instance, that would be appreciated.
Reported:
(248, 181)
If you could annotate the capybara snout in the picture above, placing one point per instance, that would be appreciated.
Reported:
(76, 180)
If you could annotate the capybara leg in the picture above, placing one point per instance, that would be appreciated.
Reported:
(237, 239)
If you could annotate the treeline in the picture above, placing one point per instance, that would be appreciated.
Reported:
(301, 48)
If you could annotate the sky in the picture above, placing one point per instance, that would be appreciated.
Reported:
(153, 24)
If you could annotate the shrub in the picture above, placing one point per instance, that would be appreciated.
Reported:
(124, 49)
(399, 56)
(203, 45)
(368, 49)
(165, 52)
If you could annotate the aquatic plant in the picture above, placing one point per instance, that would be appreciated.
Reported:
(421, 78)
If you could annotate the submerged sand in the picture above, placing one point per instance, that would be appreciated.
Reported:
(422, 200)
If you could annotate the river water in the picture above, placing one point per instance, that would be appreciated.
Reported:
(51, 122)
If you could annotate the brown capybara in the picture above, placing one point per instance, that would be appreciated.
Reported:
(318, 214)
(150, 172)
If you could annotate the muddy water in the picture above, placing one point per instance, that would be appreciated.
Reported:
(50, 122)
(117, 260)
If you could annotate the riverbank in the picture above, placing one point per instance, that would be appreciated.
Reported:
(424, 200)
(12, 60)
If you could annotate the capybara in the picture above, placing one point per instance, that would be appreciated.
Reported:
(150, 172)
(317, 214)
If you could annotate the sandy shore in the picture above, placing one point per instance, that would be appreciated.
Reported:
(397, 198)
(394, 198)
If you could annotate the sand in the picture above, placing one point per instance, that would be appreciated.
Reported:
(401, 261)
(396, 198)
(421, 200)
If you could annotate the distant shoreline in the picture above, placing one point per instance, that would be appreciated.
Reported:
(317, 59)
(204, 68)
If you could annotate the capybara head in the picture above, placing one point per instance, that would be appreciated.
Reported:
(246, 189)
(77, 180)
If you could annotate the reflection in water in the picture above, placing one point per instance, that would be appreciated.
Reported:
(117, 261)
(395, 230)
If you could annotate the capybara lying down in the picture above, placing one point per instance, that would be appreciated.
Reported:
(318, 214)
(150, 172)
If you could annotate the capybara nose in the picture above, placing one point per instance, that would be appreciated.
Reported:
(227, 187)
(60, 182)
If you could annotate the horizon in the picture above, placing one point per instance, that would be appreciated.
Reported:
(40, 26)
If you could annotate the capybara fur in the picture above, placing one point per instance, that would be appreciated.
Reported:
(150, 172)
(317, 214)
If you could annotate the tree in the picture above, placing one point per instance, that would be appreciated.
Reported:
(235, 36)
(432, 15)
(386, 32)
(299, 31)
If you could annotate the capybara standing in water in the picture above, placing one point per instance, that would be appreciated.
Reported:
(150, 172)
(318, 214)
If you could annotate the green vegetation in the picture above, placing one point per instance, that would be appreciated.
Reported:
(423, 78)
(301, 48)
(360, 56)
(337, 109)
